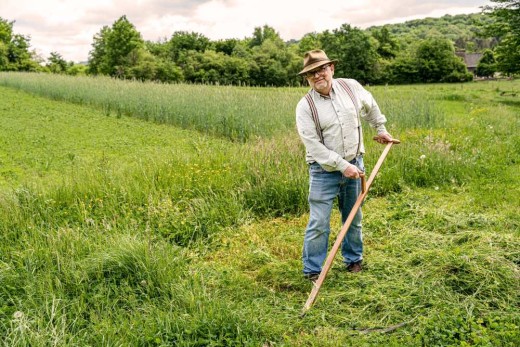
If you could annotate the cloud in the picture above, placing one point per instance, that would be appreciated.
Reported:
(68, 27)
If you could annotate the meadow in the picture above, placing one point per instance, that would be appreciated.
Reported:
(142, 214)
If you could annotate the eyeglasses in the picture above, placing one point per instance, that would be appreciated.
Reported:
(320, 71)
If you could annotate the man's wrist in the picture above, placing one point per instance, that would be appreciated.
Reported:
(344, 165)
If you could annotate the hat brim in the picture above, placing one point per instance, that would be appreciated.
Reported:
(317, 64)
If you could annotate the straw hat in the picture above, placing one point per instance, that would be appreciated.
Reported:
(314, 59)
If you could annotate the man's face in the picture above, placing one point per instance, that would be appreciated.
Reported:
(320, 79)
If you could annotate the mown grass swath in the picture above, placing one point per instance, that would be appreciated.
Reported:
(232, 112)
(120, 231)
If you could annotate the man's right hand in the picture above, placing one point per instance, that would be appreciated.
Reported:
(352, 172)
(383, 138)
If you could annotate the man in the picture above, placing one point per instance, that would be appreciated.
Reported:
(328, 121)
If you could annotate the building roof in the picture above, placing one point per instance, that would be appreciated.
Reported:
(470, 59)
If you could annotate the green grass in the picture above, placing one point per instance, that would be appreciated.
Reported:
(216, 110)
(119, 231)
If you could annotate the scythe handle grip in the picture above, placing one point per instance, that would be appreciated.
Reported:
(394, 141)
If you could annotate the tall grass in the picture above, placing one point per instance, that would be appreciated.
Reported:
(151, 294)
(190, 186)
(235, 113)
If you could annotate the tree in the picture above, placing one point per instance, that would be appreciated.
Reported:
(260, 35)
(4, 61)
(20, 59)
(146, 66)
(167, 71)
(274, 64)
(215, 67)
(158, 49)
(404, 69)
(507, 14)
(487, 64)
(182, 41)
(309, 42)
(56, 63)
(14, 49)
(77, 69)
(355, 51)
(98, 61)
(123, 41)
(508, 55)
(429, 61)
(387, 46)
(6, 32)
(226, 46)
(114, 47)
(507, 27)
(437, 62)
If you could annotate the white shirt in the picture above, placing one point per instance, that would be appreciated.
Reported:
(339, 124)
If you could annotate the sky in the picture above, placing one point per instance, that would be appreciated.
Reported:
(68, 26)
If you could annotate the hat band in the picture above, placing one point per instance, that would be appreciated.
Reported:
(315, 61)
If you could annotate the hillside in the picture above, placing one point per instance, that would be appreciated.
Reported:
(463, 30)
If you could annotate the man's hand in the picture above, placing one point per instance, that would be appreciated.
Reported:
(352, 172)
(383, 138)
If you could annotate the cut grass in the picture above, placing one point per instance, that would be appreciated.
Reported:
(413, 274)
(51, 140)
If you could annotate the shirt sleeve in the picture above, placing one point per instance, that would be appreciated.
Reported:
(328, 159)
(369, 109)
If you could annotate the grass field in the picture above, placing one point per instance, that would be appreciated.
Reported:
(157, 215)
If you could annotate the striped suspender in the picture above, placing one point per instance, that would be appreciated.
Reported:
(315, 117)
(349, 92)
(314, 110)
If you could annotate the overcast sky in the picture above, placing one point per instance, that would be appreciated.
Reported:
(68, 26)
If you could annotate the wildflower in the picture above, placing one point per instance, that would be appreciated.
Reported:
(422, 157)
(18, 315)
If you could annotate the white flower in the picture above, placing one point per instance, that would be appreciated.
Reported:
(422, 157)
(18, 315)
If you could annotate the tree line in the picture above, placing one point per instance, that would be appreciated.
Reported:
(386, 54)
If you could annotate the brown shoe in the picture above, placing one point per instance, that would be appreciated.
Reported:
(313, 277)
(355, 267)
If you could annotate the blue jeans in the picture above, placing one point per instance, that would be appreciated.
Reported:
(324, 187)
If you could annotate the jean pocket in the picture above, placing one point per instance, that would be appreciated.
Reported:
(315, 169)
(360, 164)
